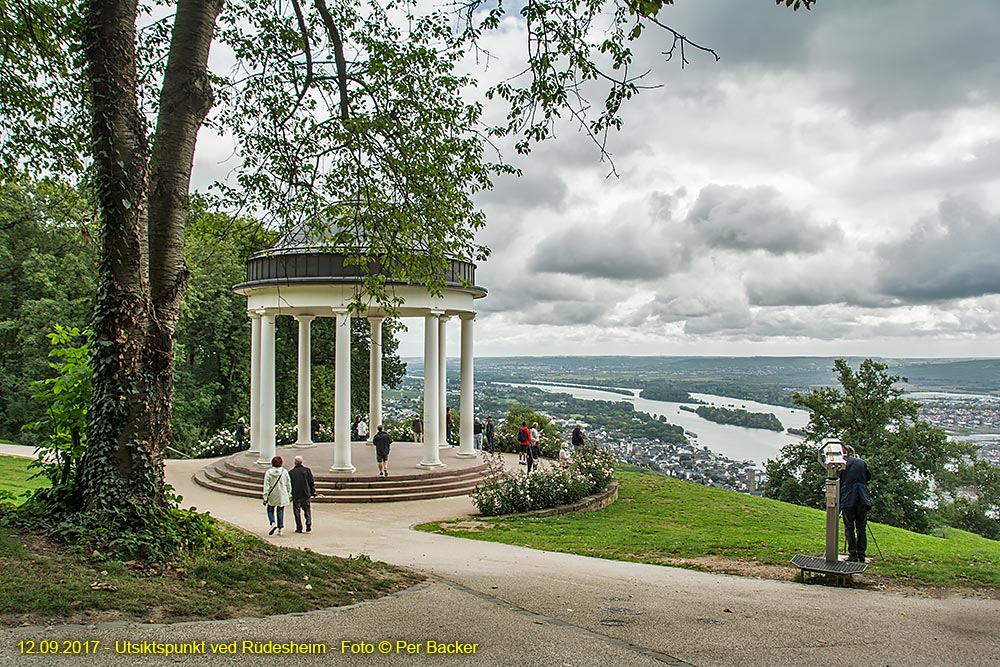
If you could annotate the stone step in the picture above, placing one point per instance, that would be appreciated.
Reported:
(380, 485)
(239, 475)
(340, 481)
(202, 479)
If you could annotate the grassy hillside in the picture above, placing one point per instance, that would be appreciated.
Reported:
(662, 520)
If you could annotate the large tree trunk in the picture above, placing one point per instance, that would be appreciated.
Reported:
(143, 200)
(117, 469)
(184, 102)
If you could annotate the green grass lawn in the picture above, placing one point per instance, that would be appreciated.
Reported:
(258, 579)
(662, 520)
(14, 477)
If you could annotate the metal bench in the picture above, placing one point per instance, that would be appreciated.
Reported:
(841, 569)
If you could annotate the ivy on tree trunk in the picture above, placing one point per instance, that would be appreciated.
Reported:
(143, 201)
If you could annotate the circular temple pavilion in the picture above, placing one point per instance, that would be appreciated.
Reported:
(306, 282)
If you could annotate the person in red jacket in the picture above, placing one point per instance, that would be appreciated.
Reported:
(524, 443)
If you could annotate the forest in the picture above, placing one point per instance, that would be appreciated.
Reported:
(48, 262)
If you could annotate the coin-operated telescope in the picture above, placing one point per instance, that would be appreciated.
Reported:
(832, 456)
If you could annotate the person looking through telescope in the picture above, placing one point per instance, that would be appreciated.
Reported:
(855, 503)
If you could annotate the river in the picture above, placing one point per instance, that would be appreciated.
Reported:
(734, 442)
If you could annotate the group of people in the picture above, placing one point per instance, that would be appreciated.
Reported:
(281, 487)
(482, 432)
(298, 487)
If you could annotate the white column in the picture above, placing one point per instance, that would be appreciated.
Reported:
(442, 381)
(255, 382)
(431, 459)
(466, 407)
(342, 395)
(375, 377)
(305, 381)
(266, 427)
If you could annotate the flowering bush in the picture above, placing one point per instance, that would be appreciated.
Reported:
(222, 443)
(507, 492)
(285, 434)
(597, 464)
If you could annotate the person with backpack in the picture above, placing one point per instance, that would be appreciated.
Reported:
(524, 443)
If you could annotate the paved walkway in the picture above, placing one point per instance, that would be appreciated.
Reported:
(527, 607)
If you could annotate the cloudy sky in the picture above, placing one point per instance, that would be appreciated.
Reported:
(830, 186)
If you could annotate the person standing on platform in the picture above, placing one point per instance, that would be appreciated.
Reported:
(240, 432)
(418, 429)
(490, 432)
(855, 502)
(477, 434)
(536, 442)
(362, 429)
(523, 443)
(449, 422)
(382, 441)
(277, 494)
(314, 428)
(303, 491)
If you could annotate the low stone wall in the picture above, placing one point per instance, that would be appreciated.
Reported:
(588, 504)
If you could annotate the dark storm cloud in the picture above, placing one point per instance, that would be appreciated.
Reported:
(623, 251)
(881, 59)
(842, 277)
(908, 55)
(951, 254)
(738, 218)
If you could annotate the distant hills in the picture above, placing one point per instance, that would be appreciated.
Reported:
(756, 375)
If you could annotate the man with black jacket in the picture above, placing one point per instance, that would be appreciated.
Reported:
(854, 504)
(303, 490)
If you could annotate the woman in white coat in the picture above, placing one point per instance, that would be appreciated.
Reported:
(277, 494)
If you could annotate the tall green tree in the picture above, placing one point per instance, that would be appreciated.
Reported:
(211, 374)
(48, 275)
(351, 111)
(907, 456)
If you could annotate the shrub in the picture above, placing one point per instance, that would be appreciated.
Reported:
(285, 434)
(507, 492)
(548, 433)
(597, 464)
(400, 431)
(222, 443)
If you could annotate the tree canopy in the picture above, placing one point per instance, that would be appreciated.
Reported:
(353, 113)
(908, 457)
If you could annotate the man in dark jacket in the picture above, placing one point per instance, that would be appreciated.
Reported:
(490, 432)
(577, 437)
(303, 490)
(854, 504)
(382, 441)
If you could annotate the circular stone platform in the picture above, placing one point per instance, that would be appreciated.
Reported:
(240, 475)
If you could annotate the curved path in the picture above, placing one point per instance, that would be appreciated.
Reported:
(528, 607)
